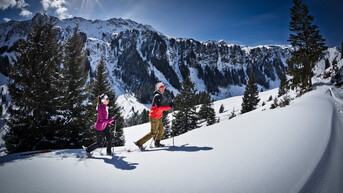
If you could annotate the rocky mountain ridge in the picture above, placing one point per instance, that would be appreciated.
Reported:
(137, 56)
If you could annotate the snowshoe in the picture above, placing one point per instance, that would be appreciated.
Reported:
(110, 154)
(141, 148)
(158, 144)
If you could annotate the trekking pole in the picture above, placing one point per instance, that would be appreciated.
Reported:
(172, 125)
(114, 134)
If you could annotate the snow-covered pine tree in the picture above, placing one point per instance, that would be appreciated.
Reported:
(250, 97)
(232, 114)
(3, 96)
(135, 118)
(166, 122)
(102, 85)
(221, 109)
(283, 85)
(327, 63)
(144, 116)
(334, 65)
(275, 104)
(206, 111)
(75, 92)
(200, 97)
(35, 119)
(308, 44)
(186, 117)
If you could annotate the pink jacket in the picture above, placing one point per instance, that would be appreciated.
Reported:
(102, 120)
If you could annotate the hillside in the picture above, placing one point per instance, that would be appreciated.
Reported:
(293, 149)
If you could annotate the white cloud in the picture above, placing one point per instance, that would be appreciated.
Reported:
(5, 4)
(25, 13)
(17, 4)
(58, 5)
(21, 4)
(7, 19)
(46, 4)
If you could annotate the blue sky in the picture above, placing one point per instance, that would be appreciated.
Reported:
(247, 22)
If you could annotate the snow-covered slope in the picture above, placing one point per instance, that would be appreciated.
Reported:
(129, 105)
(298, 148)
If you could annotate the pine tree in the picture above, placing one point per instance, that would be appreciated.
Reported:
(250, 97)
(275, 104)
(102, 85)
(35, 119)
(3, 96)
(221, 109)
(166, 122)
(206, 111)
(144, 116)
(334, 65)
(186, 117)
(233, 114)
(308, 44)
(200, 97)
(327, 63)
(270, 98)
(283, 85)
(75, 92)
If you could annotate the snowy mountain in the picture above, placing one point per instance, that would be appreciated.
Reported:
(298, 148)
(137, 56)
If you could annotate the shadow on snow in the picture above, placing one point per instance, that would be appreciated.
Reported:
(117, 161)
(184, 148)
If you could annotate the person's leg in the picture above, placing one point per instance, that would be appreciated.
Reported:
(98, 143)
(154, 124)
(160, 133)
(109, 138)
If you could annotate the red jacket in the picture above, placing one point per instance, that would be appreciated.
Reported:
(156, 110)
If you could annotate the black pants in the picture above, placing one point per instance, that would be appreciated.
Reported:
(100, 137)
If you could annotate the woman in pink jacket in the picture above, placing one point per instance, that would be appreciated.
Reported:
(100, 127)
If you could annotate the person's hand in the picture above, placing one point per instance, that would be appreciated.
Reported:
(171, 104)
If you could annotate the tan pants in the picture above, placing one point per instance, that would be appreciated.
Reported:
(156, 127)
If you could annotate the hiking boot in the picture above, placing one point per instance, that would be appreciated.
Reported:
(86, 150)
(111, 154)
(139, 146)
(158, 144)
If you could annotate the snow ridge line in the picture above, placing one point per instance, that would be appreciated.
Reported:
(319, 180)
(335, 97)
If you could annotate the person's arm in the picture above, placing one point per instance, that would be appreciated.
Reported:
(158, 103)
(101, 116)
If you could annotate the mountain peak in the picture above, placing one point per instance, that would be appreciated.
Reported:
(39, 15)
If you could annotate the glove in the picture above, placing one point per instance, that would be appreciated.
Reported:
(171, 104)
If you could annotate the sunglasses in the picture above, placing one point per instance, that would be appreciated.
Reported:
(104, 98)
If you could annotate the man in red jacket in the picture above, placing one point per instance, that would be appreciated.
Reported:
(155, 117)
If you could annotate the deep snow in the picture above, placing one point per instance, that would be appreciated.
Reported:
(291, 149)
